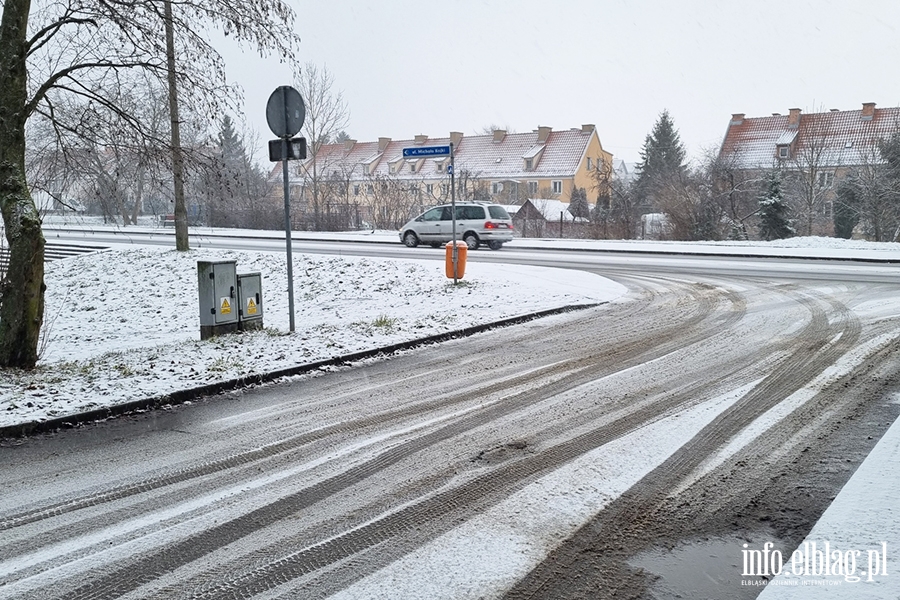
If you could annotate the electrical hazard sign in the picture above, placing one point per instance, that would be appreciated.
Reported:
(225, 306)
(251, 306)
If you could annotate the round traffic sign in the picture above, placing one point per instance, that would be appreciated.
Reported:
(285, 112)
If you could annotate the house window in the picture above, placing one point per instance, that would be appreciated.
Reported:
(369, 189)
(429, 189)
(356, 190)
(412, 167)
(496, 187)
(825, 179)
(590, 163)
(784, 151)
(445, 189)
(557, 187)
(413, 188)
(529, 164)
(532, 188)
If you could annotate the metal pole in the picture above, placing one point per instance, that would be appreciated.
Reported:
(455, 254)
(287, 231)
(287, 215)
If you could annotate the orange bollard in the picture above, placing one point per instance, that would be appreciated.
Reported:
(461, 252)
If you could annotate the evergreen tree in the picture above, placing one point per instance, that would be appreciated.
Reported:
(231, 145)
(662, 161)
(341, 137)
(578, 204)
(233, 183)
(774, 223)
(846, 210)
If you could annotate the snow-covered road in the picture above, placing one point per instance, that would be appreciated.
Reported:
(536, 459)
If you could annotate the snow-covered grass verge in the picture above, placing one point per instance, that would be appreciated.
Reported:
(123, 325)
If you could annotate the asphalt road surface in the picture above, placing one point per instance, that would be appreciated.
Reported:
(579, 456)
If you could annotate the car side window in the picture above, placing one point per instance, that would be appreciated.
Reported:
(469, 212)
(435, 214)
(445, 214)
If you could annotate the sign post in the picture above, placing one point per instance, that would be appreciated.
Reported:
(430, 151)
(455, 254)
(285, 113)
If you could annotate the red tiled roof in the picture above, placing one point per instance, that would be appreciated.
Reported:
(845, 137)
(480, 155)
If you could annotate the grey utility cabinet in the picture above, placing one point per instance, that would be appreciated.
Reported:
(250, 301)
(218, 291)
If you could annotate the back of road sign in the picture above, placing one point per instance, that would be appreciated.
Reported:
(285, 111)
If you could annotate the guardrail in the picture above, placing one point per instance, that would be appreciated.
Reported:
(52, 251)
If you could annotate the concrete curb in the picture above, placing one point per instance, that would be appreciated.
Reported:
(182, 396)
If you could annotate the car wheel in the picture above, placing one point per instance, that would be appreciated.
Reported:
(410, 239)
(471, 241)
(495, 245)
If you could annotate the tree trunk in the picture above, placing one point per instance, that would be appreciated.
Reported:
(138, 196)
(181, 225)
(22, 291)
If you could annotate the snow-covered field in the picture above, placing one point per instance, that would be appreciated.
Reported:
(123, 325)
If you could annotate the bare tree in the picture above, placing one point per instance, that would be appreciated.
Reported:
(326, 117)
(490, 129)
(391, 200)
(617, 211)
(809, 180)
(735, 189)
(83, 48)
(870, 194)
(691, 207)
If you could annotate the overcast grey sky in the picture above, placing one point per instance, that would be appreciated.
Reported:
(407, 67)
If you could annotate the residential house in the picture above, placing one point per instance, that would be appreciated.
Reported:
(543, 217)
(815, 150)
(375, 178)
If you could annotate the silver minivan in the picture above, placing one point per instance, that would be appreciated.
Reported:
(477, 223)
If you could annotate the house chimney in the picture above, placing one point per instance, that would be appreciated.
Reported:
(737, 118)
(499, 134)
(543, 133)
(868, 111)
(455, 138)
(383, 143)
(587, 128)
(348, 145)
(421, 139)
(794, 118)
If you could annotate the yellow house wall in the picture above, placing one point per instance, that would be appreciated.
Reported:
(583, 177)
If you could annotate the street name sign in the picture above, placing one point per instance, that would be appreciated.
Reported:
(426, 151)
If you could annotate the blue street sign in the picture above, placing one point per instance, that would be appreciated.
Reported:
(450, 169)
(426, 151)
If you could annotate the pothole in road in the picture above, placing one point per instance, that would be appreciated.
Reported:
(501, 453)
(710, 568)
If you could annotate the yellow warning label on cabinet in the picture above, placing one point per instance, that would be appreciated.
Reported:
(226, 307)
(251, 306)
